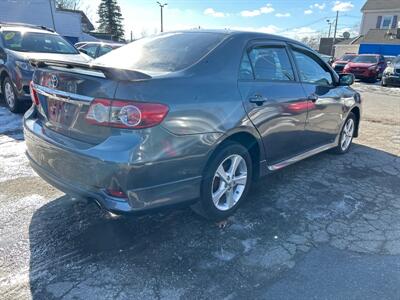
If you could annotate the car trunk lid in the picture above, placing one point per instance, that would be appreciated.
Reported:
(65, 91)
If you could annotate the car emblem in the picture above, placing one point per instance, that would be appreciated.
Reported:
(53, 81)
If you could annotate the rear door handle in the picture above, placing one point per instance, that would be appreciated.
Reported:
(313, 97)
(257, 99)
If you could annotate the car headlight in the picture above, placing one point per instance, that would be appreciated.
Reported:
(24, 65)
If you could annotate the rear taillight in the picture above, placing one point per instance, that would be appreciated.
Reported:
(34, 95)
(125, 114)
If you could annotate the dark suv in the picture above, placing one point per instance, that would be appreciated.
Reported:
(18, 44)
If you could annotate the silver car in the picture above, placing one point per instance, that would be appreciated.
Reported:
(187, 117)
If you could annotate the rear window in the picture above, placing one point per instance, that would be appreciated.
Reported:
(365, 59)
(168, 52)
(347, 57)
(36, 42)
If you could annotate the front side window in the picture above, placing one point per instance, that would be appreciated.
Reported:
(36, 42)
(311, 70)
(271, 63)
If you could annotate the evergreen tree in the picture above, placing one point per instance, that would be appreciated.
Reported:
(110, 19)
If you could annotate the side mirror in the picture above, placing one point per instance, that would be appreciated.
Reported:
(346, 79)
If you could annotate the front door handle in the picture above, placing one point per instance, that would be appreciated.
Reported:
(257, 99)
(313, 97)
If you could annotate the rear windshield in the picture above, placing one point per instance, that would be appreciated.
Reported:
(168, 52)
(36, 42)
(365, 59)
(347, 57)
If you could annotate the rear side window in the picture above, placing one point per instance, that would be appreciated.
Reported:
(312, 70)
(271, 63)
(168, 52)
(104, 50)
(90, 49)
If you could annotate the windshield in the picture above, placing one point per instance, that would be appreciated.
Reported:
(347, 57)
(163, 53)
(365, 59)
(36, 42)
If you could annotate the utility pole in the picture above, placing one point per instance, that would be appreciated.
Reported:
(330, 27)
(334, 35)
(162, 19)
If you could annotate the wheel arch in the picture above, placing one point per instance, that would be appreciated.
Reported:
(248, 138)
(3, 74)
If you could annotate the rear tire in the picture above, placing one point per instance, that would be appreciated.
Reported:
(346, 135)
(10, 96)
(226, 182)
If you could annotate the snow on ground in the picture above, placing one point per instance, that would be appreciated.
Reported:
(13, 163)
(9, 123)
(376, 88)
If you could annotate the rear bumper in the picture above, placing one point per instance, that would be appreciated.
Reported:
(146, 199)
(89, 172)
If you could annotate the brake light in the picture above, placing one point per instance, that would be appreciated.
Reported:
(126, 114)
(34, 95)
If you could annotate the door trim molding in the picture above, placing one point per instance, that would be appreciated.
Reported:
(302, 156)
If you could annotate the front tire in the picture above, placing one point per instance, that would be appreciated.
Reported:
(10, 96)
(226, 182)
(346, 135)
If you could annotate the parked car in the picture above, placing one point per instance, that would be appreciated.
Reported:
(327, 58)
(389, 59)
(18, 44)
(97, 49)
(391, 75)
(367, 67)
(340, 63)
(185, 117)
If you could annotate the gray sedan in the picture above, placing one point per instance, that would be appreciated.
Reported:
(189, 117)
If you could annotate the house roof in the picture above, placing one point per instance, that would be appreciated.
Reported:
(381, 5)
(381, 36)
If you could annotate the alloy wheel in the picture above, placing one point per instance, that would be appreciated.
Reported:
(229, 182)
(9, 95)
(347, 134)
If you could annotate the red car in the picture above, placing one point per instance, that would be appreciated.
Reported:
(340, 63)
(366, 67)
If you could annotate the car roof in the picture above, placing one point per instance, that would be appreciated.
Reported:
(101, 43)
(251, 35)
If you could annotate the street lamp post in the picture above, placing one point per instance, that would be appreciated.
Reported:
(162, 21)
(330, 27)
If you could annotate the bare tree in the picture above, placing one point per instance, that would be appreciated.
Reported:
(68, 4)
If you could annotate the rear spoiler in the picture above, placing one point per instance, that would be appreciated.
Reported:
(108, 72)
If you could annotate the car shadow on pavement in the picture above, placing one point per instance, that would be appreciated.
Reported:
(79, 251)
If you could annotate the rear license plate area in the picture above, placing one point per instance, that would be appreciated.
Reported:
(61, 113)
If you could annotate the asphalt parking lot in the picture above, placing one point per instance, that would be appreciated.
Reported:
(325, 228)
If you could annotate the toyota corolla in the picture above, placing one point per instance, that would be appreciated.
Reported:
(189, 117)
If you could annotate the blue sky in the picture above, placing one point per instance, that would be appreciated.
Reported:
(293, 18)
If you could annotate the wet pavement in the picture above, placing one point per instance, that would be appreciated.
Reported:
(325, 228)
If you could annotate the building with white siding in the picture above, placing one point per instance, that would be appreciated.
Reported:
(73, 25)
